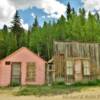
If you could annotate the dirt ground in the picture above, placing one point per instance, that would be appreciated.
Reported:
(84, 94)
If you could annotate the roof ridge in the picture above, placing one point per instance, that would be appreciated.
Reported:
(20, 50)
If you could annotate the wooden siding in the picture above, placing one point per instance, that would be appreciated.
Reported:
(82, 50)
(76, 51)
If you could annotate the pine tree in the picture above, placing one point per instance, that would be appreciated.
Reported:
(16, 28)
(28, 36)
(62, 20)
(45, 24)
(68, 11)
(97, 16)
(82, 15)
(73, 11)
(35, 24)
(5, 29)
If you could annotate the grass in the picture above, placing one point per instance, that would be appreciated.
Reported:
(45, 90)
(54, 89)
(87, 83)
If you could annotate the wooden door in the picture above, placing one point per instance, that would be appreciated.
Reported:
(78, 70)
(16, 74)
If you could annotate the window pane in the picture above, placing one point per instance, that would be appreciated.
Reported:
(69, 67)
(69, 63)
(86, 67)
(69, 71)
(31, 71)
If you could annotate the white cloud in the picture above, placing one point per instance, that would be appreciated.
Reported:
(6, 12)
(91, 5)
(54, 8)
(33, 15)
(8, 7)
(48, 6)
(24, 25)
(43, 17)
(54, 15)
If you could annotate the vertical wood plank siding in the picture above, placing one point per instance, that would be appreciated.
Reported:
(89, 51)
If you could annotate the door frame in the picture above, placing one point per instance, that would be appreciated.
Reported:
(81, 68)
(12, 72)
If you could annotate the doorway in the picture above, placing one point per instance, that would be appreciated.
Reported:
(15, 74)
(78, 70)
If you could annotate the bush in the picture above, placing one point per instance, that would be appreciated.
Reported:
(87, 83)
(56, 88)
(15, 83)
(59, 83)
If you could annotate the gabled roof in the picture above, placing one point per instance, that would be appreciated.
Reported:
(20, 49)
(51, 60)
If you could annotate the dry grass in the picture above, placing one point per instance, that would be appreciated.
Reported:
(78, 91)
(86, 93)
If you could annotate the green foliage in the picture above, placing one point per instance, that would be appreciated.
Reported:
(45, 90)
(56, 88)
(5, 29)
(35, 24)
(87, 83)
(15, 84)
(69, 10)
(74, 27)
(16, 28)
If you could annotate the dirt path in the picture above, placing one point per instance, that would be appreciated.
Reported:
(84, 94)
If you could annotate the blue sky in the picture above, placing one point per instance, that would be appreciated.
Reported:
(45, 10)
(26, 15)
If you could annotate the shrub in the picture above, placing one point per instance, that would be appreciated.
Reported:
(15, 83)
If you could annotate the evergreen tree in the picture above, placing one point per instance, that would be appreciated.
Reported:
(28, 36)
(16, 28)
(35, 24)
(5, 29)
(62, 20)
(97, 16)
(73, 11)
(68, 11)
(40, 40)
(82, 15)
(45, 24)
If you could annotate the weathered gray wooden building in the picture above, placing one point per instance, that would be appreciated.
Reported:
(74, 61)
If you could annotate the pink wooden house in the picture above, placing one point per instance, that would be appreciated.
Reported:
(22, 67)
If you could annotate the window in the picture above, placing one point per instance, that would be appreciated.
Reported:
(69, 67)
(50, 66)
(86, 68)
(7, 63)
(31, 68)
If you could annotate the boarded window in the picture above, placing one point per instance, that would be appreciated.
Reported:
(31, 71)
(69, 69)
(86, 67)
